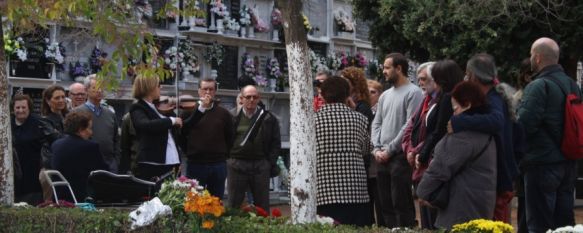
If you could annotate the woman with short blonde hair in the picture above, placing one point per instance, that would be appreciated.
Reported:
(144, 85)
(157, 150)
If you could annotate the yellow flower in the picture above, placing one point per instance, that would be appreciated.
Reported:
(208, 224)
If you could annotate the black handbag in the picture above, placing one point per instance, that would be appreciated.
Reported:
(440, 197)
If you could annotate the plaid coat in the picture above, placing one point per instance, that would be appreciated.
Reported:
(341, 141)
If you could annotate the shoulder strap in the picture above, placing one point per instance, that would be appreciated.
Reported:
(571, 83)
(475, 157)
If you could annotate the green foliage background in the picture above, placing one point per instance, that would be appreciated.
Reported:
(457, 29)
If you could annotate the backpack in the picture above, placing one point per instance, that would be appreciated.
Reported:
(572, 143)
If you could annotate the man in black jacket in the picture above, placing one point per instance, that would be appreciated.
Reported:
(254, 153)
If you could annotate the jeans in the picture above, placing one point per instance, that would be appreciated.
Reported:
(549, 196)
(209, 175)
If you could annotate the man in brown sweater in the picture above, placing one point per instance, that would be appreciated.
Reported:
(208, 135)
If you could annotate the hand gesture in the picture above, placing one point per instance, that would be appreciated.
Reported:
(206, 101)
(178, 122)
(411, 159)
(449, 127)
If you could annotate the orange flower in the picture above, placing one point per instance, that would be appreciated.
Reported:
(208, 224)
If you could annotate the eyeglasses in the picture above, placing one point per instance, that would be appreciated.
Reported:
(78, 94)
(251, 97)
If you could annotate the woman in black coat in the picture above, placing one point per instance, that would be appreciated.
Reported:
(27, 141)
(157, 151)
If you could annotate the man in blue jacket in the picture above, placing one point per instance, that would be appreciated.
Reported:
(481, 69)
(549, 178)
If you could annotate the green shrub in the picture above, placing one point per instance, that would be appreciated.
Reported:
(61, 220)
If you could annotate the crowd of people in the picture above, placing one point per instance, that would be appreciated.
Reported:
(458, 142)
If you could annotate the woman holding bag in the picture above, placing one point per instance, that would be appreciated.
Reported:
(466, 162)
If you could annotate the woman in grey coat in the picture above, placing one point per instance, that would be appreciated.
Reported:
(472, 178)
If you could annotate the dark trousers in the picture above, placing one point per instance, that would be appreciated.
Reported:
(521, 209)
(212, 176)
(152, 172)
(348, 214)
(373, 193)
(248, 175)
(549, 196)
(394, 188)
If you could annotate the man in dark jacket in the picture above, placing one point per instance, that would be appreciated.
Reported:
(254, 154)
(208, 135)
(481, 69)
(549, 179)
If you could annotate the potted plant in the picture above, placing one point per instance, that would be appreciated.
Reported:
(245, 19)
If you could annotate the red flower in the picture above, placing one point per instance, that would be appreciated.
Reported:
(276, 213)
(261, 212)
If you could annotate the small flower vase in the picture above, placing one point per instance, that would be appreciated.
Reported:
(220, 26)
(243, 31)
(186, 76)
(212, 27)
(250, 31)
(272, 84)
(214, 74)
(275, 35)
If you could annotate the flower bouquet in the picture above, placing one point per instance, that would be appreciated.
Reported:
(97, 59)
(216, 53)
(334, 61)
(182, 57)
(174, 193)
(273, 68)
(307, 24)
(360, 60)
(248, 66)
(317, 62)
(276, 18)
(482, 225)
(343, 21)
(258, 23)
(54, 52)
(208, 208)
(245, 16)
(15, 47)
(78, 70)
(231, 24)
(219, 8)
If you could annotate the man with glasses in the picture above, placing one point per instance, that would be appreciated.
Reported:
(105, 123)
(255, 150)
(77, 95)
(208, 133)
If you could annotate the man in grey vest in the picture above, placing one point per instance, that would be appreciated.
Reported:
(105, 124)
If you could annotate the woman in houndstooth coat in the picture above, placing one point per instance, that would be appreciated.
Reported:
(341, 140)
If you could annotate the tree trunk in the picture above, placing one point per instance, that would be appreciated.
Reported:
(302, 129)
(6, 172)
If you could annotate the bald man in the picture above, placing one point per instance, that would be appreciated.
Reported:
(77, 94)
(254, 154)
(549, 178)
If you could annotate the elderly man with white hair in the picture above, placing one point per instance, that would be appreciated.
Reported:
(549, 178)
(105, 123)
(415, 134)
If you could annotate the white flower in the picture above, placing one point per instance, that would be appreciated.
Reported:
(324, 220)
(568, 229)
(22, 55)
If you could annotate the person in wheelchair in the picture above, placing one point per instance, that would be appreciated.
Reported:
(75, 156)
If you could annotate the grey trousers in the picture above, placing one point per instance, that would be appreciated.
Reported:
(252, 175)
